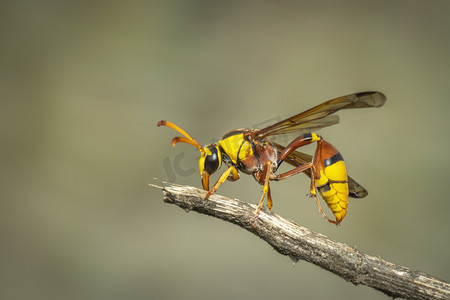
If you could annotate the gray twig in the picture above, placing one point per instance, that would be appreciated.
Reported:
(298, 242)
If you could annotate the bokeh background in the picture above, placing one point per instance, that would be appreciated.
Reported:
(83, 84)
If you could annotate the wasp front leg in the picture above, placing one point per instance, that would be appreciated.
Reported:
(231, 174)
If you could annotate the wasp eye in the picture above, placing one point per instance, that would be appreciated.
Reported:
(212, 161)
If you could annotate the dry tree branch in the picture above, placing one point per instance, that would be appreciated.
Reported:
(298, 242)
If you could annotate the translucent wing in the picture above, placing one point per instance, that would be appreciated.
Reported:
(297, 158)
(319, 116)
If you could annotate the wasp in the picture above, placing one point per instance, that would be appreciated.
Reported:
(250, 151)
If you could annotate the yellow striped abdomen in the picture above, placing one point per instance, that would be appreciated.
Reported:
(331, 180)
(336, 197)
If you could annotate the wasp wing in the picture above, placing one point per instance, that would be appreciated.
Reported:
(319, 116)
(297, 158)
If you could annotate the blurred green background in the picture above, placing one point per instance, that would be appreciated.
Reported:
(84, 83)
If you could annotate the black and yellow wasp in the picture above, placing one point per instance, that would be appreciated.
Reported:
(251, 152)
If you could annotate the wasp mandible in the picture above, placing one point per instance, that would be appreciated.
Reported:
(251, 152)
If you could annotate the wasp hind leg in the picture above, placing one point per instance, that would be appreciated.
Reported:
(299, 142)
(313, 194)
(321, 211)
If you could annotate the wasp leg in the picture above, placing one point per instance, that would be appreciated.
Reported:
(233, 176)
(269, 200)
(221, 180)
(205, 180)
(320, 209)
(299, 142)
(313, 194)
(293, 172)
(266, 191)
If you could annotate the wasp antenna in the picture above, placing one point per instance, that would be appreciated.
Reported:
(188, 139)
(180, 139)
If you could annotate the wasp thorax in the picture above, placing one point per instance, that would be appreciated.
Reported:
(210, 159)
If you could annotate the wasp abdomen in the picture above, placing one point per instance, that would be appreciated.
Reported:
(332, 179)
(336, 198)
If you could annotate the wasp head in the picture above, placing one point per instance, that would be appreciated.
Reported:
(210, 155)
